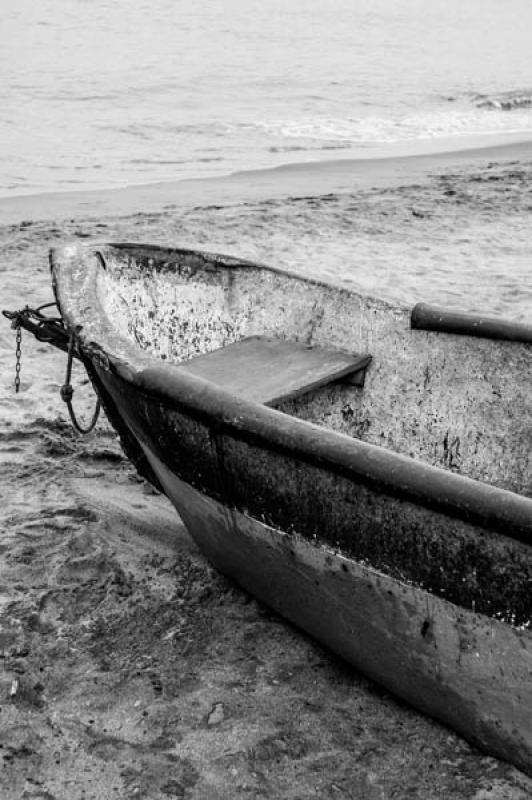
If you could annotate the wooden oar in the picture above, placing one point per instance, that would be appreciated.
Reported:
(435, 318)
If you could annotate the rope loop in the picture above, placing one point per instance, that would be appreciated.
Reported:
(67, 392)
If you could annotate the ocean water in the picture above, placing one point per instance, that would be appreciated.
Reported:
(106, 93)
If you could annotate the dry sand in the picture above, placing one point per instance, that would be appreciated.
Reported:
(130, 669)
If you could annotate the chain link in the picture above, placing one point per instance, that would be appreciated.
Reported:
(18, 354)
(52, 330)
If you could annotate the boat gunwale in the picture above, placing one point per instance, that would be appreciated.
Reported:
(224, 260)
(499, 510)
(450, 321)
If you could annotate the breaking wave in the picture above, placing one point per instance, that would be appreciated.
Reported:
(505, 101)
(366, 131)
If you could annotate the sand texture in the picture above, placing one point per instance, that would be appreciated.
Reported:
(130, 668)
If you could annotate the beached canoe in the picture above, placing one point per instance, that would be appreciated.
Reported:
(369, 480)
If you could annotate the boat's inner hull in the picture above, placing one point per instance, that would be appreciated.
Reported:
(454, 402)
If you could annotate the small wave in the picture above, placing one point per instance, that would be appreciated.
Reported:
(287, 148)
(150, 129)
(155, 161)
(297, 148)
(71, 95)
(130, 130)
(337, 133)
(506, 101)
(336, 146)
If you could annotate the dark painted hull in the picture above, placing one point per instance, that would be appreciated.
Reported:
(385, 560)
(465, 669)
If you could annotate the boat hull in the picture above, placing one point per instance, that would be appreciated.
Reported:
(470, 672)
(333, 508)
(465, 669)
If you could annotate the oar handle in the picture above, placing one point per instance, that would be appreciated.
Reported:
(435, 318)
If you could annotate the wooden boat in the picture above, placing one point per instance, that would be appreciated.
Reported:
(367, 478)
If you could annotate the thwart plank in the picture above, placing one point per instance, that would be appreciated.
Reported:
(269, 370)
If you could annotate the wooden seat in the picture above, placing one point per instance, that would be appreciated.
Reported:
(269, 370)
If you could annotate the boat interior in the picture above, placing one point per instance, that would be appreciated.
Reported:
(200, 345)
(329, 355)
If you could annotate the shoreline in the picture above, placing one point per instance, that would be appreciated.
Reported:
(290, 180)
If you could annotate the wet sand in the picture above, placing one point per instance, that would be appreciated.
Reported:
(291, 180)
(130, 668)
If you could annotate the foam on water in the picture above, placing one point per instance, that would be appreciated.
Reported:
(371, 130)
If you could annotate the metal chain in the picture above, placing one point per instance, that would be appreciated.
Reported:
(52, 330)
(18, 354)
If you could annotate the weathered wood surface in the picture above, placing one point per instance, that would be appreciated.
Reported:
(269, 370)
(455, 402)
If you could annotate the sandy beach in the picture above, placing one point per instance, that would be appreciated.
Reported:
(131, 669)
